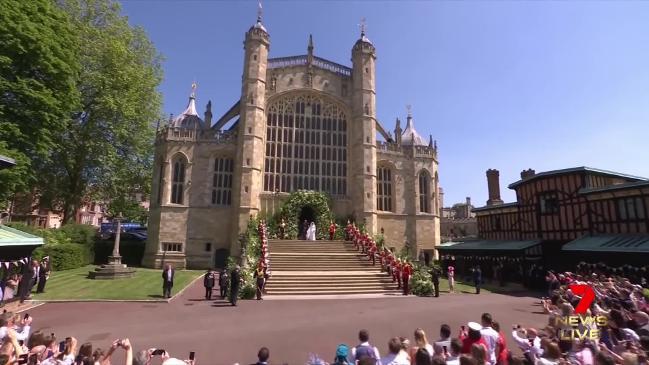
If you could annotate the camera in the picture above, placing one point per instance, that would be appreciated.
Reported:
(158, 352)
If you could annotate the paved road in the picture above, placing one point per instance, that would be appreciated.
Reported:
(291, 329)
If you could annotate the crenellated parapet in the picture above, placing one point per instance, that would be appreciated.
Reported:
(181, 134)
(407, 151)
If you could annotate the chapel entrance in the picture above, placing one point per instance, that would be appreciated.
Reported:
(306, 214)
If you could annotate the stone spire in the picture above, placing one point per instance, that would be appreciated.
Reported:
(397, 132)
(310, 50)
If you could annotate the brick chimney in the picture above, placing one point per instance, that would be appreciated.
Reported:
(493, 184)
(441, 201)
(526, 174)
(468, 207)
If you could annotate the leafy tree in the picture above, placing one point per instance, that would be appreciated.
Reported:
(105, 150)
(38, 69)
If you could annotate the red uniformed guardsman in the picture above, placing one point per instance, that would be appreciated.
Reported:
(332, 231)
(397, 272)
(406, 274)
(372, 252)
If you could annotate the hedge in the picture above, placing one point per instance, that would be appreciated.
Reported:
(65, 256)
(69, 247)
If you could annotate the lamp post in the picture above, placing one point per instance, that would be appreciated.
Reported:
(115, 258)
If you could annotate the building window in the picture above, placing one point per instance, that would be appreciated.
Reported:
(424, 192)
(306, 145)
(549, 203)
(208, 247)
(384, 189)
(630, 209)
(178, 181)
(172, 247)
(222, 181)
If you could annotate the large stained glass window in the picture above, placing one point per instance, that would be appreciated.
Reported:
(424, 191)
(306, 145)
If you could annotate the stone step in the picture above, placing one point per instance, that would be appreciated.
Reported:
(334, 291)
(330, 285)
(320, 267)
(329, 279)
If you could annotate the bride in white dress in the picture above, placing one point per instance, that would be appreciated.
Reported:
(310, 233)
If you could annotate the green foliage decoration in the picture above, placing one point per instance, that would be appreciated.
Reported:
(421, 282)
(300, 199)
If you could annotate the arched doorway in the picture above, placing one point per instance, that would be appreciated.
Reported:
(306, 216)
(304, 205)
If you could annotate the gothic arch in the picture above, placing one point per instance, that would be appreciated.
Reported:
(179, 182)
(424, 191)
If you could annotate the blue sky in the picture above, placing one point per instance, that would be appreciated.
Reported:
(505, 85)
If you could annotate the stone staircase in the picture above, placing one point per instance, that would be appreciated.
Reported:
(323, 268)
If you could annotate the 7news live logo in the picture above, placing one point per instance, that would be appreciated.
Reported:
(581, 326)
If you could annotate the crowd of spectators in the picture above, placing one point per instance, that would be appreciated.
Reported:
(19, 345)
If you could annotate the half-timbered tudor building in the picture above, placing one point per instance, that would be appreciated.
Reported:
(301, 123)
(562, 217)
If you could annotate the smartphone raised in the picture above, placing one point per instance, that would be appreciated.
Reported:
(191, 355)
(22, 359)
(445, 349)
(158, 352)
(61, 346)
(26, 316)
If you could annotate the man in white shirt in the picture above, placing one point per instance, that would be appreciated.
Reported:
(453, 357)
(396, 356)
(13, 321)
(444, 339)
(528, 342)
(490, 337)
(364, 349)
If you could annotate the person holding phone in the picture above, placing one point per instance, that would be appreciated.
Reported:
(452, 353)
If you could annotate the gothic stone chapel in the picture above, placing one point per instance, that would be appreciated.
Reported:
(302, 123)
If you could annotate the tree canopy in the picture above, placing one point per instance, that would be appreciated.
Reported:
(38, 68)
(95, 117)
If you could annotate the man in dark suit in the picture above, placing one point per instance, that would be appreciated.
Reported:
(263, 356)
(167, 280)
(434, 274)
(27, 282)
(43, 274)
(235, 282)
(208, 283)
(223, 282)
(477, 278)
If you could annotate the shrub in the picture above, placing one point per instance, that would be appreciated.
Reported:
(645, 293)
(82, 234)
(248, 291)
(64, 256)
(422, 288)
(25, 228)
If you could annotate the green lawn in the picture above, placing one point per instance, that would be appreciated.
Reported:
(146, 284)
(485, 288)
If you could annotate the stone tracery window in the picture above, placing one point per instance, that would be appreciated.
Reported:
(179, 165)
(384, 189)
(222, 181)
(424, 192)
(306, 145)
